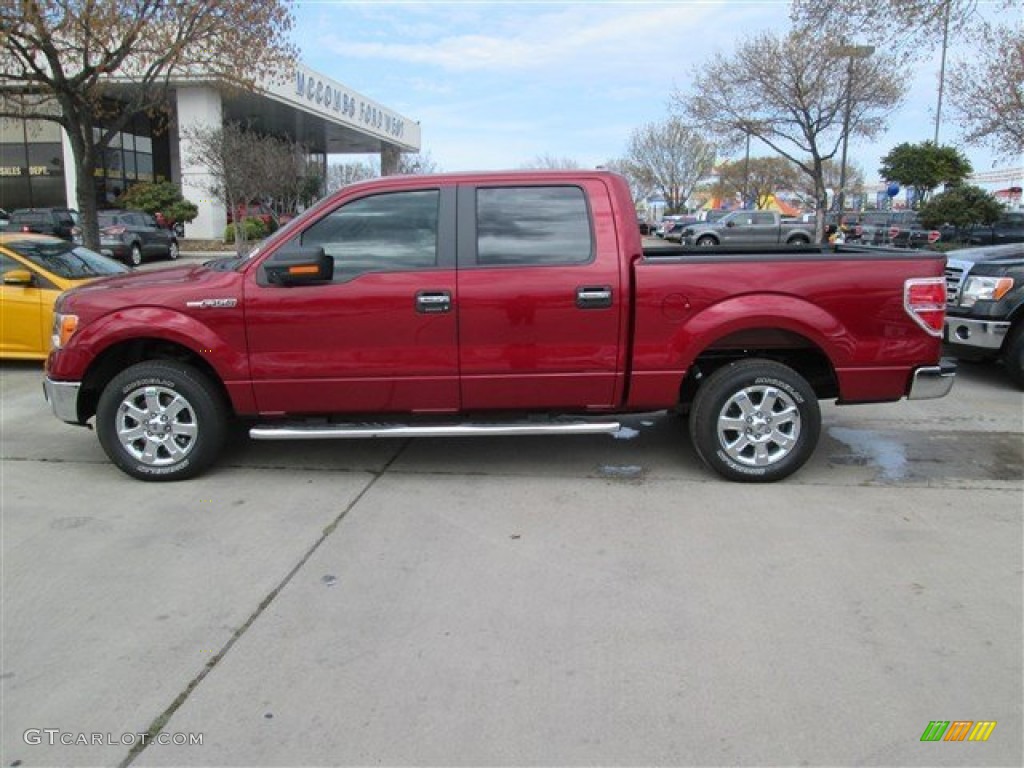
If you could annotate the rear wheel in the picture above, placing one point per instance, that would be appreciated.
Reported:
(798, 240)
(161, 421)
(755, 421)
(706, 242)
(172, 250)
(135, 257)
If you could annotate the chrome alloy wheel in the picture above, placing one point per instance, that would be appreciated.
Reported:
(156, 425)
(759, 425)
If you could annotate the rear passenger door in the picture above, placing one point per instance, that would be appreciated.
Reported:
(539, 296)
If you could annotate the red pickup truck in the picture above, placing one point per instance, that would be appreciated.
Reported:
(501, 303)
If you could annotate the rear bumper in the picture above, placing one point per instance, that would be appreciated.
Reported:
(63, 398)
(933, 381)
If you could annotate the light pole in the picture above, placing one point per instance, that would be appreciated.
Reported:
(850, 52)
(942, 69)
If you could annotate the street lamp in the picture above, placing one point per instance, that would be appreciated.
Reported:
(849, 52)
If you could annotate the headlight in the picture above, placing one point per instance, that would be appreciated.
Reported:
(977, 288)
(64, 327)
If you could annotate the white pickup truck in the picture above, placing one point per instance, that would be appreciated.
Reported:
(749, 228)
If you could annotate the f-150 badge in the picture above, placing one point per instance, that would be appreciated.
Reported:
(212, 303)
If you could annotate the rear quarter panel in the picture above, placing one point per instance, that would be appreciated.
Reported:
(850, 306)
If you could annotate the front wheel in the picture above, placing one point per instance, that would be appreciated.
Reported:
(161, 421)
(755, 421)
(706, 242)
(172, 250)
(135, 257)
(1013, 357)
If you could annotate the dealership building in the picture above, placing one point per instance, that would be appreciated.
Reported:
(328, 117)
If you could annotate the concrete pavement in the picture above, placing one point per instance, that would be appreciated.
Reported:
(530, 601)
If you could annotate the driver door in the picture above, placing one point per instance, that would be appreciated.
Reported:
(381, 336)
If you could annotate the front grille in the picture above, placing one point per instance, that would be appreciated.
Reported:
(954, 278)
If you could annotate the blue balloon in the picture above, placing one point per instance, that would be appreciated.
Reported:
(893, 189)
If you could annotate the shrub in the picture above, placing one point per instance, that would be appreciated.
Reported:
(159, 197)
(254, 230)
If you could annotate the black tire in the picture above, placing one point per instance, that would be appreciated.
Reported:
(135, 255)
(798, 240)
(755, 421)
(173, 251)
(1013, 356)
(706, 242)
(161, 420)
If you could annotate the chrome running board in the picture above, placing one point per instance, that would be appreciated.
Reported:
(322, 431)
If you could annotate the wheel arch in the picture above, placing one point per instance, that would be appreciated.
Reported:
(123, 354)
(779, 345)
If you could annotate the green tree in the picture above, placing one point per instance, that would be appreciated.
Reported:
(962, 205)
(759, 179)
(79, 54)
(159, 197)
(924, 166)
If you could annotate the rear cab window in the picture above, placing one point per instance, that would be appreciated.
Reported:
(532, 226)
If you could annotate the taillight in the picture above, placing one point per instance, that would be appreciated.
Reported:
(933, 236)
(26, 228)
(924, 299)
(114, 231)
(893, 231)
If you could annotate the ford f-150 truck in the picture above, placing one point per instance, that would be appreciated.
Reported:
(985, 316)
(749, 228)
(503, 303)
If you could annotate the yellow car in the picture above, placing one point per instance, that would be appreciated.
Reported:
(35, 269)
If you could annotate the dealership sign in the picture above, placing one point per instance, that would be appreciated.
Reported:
(326, 96)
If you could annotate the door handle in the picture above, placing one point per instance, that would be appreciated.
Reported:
(433, 302)
(594, 297)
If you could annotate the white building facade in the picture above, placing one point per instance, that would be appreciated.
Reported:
(325, 115)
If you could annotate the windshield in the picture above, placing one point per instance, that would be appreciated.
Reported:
(66, 259)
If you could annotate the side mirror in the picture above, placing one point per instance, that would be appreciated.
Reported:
(18, 277)
(299, 266)
(730, 223)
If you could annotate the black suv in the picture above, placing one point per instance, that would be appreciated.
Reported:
(60, 222)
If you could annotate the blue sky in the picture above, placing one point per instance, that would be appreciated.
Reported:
(496, 84)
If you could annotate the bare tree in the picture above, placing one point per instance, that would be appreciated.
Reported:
(803, 186)
(987, 92)
(795, 94)
(670, 157)
(417, 163)
(73, 53)
(342, 174)
(639, 185)
(239, 163)
(909, 28)
(293, 178)
(409, 164)
(550, 162)
(758, 179)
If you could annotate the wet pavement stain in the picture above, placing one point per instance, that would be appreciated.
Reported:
(932, 455)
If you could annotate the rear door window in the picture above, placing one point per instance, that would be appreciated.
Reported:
(524, 226)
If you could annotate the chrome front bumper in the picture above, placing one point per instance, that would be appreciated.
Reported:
(983, 334)
(63, 398)
(933, 380)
